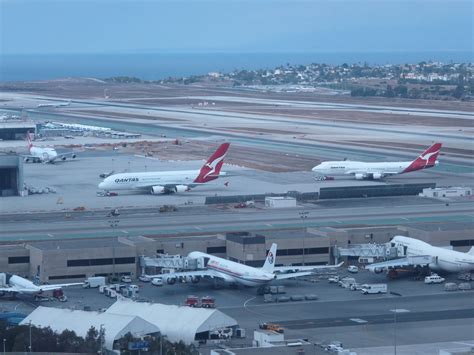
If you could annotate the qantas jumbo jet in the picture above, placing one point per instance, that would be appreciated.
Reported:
(44, 155)
(236, 273)
(377, 171)
(162, 182)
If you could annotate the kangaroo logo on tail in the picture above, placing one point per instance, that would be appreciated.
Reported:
(211, 170)
(28, 140)
(426, 160)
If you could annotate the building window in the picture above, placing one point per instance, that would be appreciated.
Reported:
(216, 250)
(129, 260)
(323, 250)
(307, 251)
(160, 251)
(18, 259)
(80, 262)
(462, 243)
(102, 261)
(62, 277)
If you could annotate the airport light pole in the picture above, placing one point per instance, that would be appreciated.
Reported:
(4, 347)
(395, 322)
(303, 216)
(31, 350)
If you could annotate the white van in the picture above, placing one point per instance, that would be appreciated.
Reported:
(157, 281)
(434, 279)
(373, 288)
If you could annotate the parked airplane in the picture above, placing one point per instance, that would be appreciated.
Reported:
(377, 171)
(14, 284)
(419, 253)
(236, 273)
(44, 155)
(55, 105)
(162, 182)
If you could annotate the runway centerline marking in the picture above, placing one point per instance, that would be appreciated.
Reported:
(400, 310)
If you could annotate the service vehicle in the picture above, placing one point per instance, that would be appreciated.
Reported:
(144, 278)
(93, 282)
(334, 279)
(126, 279)
(271, 326)
(373, 288)
(434, 279)
(346, 282)
(157, 281)
(192, 301)
(353, 269)
(208, 302)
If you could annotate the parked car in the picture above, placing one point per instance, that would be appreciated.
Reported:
(157, 281)
(126, 279)
(354, 269)
(144, 278)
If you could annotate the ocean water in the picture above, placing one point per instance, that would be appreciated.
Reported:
(155, 66)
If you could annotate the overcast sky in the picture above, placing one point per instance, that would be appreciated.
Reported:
(109, 26)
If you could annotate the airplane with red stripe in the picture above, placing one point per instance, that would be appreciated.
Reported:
(235, 273)
(162, 182)
(377, 171)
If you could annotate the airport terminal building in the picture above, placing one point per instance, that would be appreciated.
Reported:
(74, 260)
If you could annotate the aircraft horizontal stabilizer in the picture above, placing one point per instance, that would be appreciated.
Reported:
(293, 275)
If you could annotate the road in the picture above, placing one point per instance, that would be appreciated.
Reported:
(206, 219)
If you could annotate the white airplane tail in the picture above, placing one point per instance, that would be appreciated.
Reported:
(28, 141)
(471, 251)
(269, 265)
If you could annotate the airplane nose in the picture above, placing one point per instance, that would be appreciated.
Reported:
(102, 185)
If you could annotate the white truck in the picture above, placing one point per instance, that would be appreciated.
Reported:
(373, 288)
(92, 282)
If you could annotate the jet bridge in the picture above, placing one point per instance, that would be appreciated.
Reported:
(369, 250)
(176, 262)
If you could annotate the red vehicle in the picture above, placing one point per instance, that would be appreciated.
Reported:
(192, 301)
(208, 302)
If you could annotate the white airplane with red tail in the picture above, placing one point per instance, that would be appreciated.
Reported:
(376, 171)
(162, 182)
(44, 155)
(231, 272)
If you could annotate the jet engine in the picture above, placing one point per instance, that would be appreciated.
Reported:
(63, 158)
(26, 160)
(359, 176)
(74, 156)
(378, 270)
(156, 190)
(376, 176)
(181, 188)
(171, 280)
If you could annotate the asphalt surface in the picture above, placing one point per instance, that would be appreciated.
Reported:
(211, 220)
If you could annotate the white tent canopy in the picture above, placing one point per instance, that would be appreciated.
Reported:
(80, 322)
(177, 323)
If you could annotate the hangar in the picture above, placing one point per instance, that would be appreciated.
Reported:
(177, 323)
(11, 175)
(115, 326)
(14, 129)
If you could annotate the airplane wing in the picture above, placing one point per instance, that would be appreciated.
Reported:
(293, 269)
(30, 158)
(64, 156)
(58, 286)
(206, 273)
(10, 289)
(419, 260)
(292, 275)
